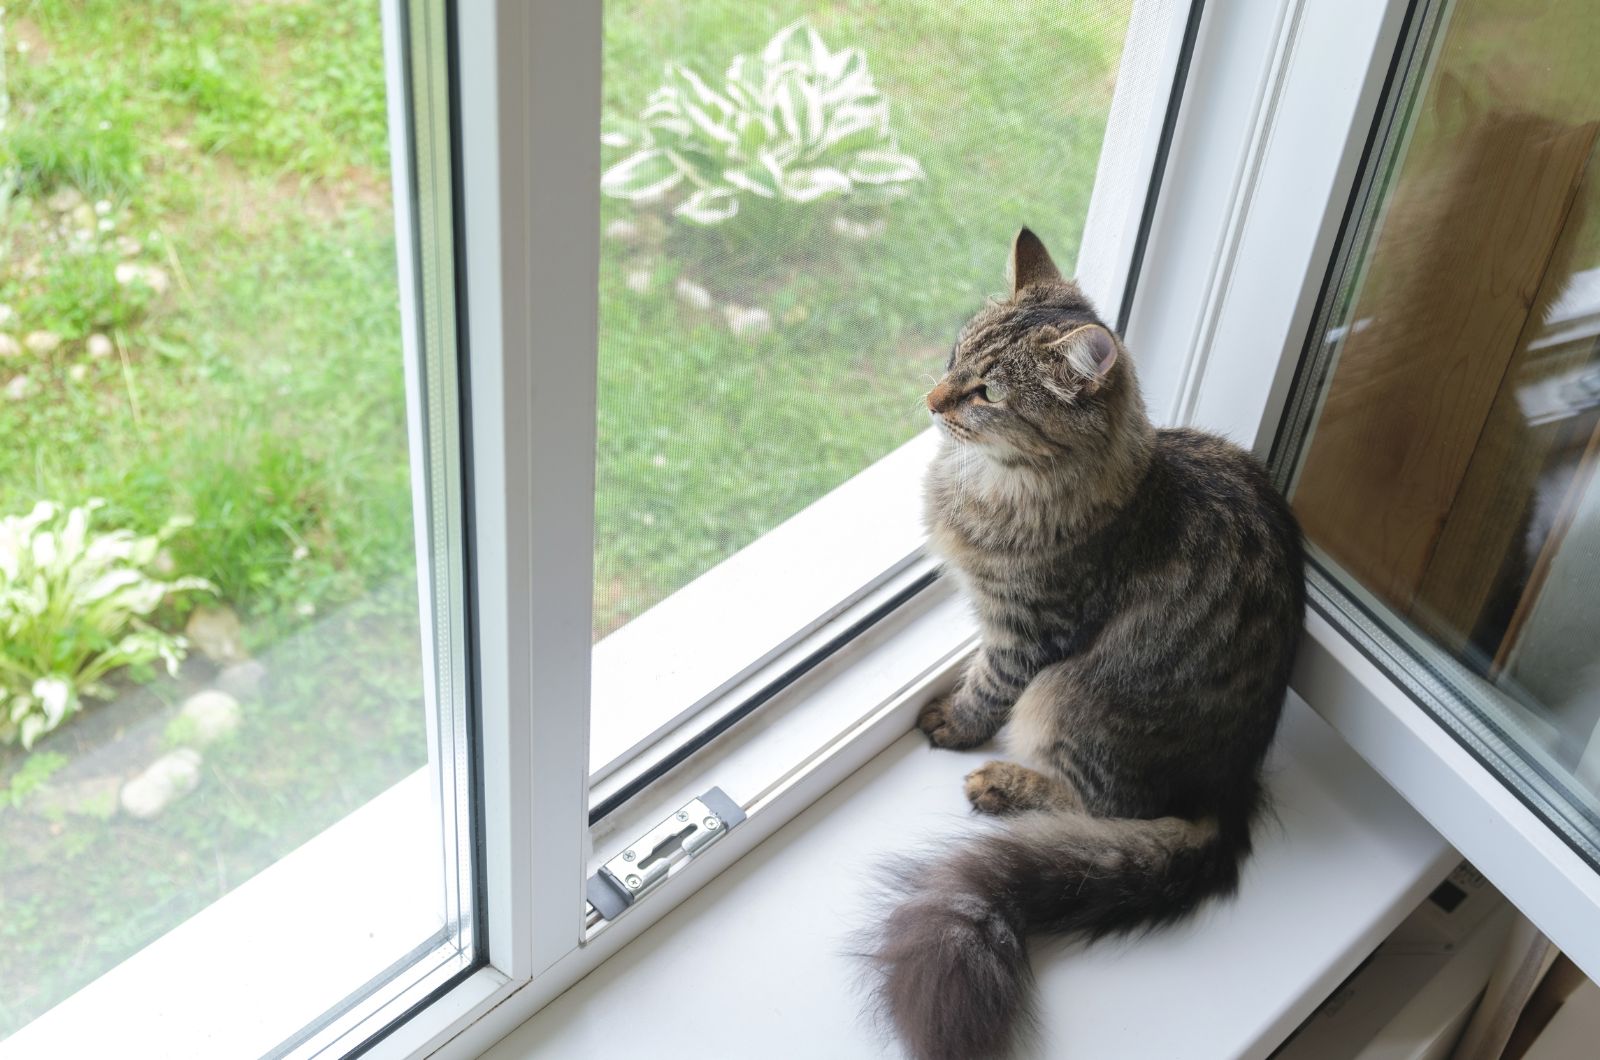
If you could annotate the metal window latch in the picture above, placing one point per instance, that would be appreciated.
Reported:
(649, 859)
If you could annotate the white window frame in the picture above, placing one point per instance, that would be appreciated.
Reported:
(1279, 100)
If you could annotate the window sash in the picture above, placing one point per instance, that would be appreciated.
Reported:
(528, 91)
(1240, 332)
(263, 925)
(683, 667)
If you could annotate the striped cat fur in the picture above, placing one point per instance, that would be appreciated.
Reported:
(1140, 595)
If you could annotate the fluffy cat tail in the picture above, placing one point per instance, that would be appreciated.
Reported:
(954, 975)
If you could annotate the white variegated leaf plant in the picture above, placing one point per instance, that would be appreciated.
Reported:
(73, 604)
(799, 123)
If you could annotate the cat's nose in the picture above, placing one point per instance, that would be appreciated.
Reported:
(939, 398)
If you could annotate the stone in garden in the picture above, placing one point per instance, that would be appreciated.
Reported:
(6, 314)
(693, 295)
(152, 276)
(127, 246)
(638, 280)
(78, 373)
(42, 342)
(19, 387)
(747, 322)
(861, 230)
(99, 346)
(242, 679)
(622, 230)
(217, 634)
(9, 346)
(165, 781)
(83, 218)
(156, 277)
(64, 200)
(213, 714)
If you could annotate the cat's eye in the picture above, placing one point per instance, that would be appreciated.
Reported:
(993, 393)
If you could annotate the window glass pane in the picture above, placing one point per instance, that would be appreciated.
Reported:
(217, 697)
(801, 204)
(1448, 429)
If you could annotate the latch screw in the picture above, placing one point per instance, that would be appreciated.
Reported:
(683, 815)
(628, 855)
(633, 883)
(712, 824)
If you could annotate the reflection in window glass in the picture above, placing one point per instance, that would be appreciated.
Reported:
(802, 202)
(1455, 417)
(209, 640)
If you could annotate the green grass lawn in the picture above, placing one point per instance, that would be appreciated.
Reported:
(254, 383)
(723, 437)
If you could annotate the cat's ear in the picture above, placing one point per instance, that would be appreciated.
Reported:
(1088, 351)
(1030, 262)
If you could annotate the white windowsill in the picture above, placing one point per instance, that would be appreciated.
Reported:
(755, 960)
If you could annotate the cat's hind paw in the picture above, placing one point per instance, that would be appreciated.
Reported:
(1001, 788)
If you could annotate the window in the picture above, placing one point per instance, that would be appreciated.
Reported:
(433, 407)
(1333, 271)
(233, 750)
(792, 229)
(1441, 447)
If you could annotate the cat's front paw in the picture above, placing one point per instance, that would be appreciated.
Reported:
(944, 727)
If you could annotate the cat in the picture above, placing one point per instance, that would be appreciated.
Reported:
(1140, 595)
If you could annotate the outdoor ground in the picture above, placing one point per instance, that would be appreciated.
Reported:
(254, 381)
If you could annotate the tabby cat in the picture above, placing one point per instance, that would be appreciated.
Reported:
(1140, 596)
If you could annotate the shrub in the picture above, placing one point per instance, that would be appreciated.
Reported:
(72, 604)
(797, 124)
